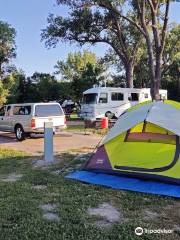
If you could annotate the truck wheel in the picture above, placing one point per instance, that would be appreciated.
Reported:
(19, 132)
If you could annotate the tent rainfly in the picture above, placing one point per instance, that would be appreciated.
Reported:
(144, 143)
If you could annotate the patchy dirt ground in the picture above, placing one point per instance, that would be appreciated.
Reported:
(12, 178)
(48, 207)
(39, 187)
(51, 216)
(62, 142)
(48, 213)
(107, 213)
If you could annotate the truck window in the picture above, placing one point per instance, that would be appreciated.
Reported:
(117, 96)
(2, 111)
(90, 98)
(103, 98)
(134, 97)
(22, 110)
(8, 111)
(48, 110)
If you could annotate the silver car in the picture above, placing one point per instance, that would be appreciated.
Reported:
(24, 119)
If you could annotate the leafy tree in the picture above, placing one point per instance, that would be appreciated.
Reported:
(7, 52)
(108, 21)
(75, 64)
(7, 45)
(87, 79)
(82, 70)
(152, 22)
(170, 66)
(171, 63)
(9, 85)
(39, 87)
(142, 78)
(3, 94)
(97, 22)
(16, 84)
(171, 80)
(65, 90)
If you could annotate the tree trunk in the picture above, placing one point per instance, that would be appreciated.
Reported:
(157, 80)
(155, 90)
(152, 70)
(155, 46)
(130, 74)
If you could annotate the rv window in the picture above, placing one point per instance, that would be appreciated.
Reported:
(103, 98)
(117, 96)
(90, 98)
(134, 97)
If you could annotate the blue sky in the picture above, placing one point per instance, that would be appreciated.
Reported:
(28, 18)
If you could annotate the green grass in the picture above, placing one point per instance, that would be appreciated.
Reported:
(21, 217)
(80, 128)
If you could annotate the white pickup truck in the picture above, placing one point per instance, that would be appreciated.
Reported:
(24, 119)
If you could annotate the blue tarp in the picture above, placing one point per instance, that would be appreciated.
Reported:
(126, 183)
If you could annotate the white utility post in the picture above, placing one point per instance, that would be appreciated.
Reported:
(48, 142)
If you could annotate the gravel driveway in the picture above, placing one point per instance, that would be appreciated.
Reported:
(62, 142)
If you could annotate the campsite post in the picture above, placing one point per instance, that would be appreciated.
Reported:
(48, 142)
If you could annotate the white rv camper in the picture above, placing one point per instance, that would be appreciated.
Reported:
(112, 102)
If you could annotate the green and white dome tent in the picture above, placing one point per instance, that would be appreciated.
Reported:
(144, 142)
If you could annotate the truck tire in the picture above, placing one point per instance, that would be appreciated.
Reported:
(19, 132)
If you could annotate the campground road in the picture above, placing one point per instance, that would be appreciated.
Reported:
(65, 141)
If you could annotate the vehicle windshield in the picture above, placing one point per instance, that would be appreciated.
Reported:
(90, 98)
(48, 110)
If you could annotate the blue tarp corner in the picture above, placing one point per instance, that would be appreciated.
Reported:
(126, 183)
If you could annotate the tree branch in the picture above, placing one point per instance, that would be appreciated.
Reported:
(165, 26)
(119, 35)
(151, 5)
(154, 26)
(102, 40)
(109, 7)
(141, 11)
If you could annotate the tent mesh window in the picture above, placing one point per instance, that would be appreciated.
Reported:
(147, 132)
